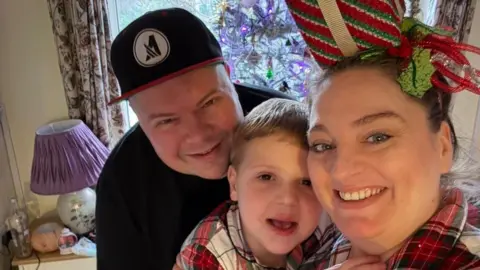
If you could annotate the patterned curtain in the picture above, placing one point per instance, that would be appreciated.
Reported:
(457, 14)
(82, 35)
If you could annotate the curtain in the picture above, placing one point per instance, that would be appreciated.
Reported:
(457, 14)
(82, 36)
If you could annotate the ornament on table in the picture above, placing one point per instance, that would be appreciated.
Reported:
(93, 235)
(45, 236)
(85, 247)
(66, 241)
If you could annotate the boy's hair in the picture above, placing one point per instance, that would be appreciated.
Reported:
(272, 117)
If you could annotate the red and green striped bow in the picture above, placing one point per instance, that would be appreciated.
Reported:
(336, 29)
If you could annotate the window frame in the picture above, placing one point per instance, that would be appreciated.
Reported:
(114, 30)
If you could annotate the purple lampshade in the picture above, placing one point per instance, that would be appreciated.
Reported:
(67, 157)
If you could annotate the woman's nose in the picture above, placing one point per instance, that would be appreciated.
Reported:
(344, 164)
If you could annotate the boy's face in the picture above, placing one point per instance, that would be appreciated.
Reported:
(277, 204)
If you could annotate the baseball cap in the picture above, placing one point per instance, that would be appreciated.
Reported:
(158, 46)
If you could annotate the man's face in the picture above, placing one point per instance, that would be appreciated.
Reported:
(190, 120)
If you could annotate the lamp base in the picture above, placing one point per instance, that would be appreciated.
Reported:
(77, 210)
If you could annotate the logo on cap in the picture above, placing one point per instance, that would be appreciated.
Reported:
(150, 47)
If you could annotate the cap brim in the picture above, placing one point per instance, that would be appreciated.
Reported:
(165, 78)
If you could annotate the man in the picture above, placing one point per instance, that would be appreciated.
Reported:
(168, 172)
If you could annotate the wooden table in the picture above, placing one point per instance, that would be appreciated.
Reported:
(55, 261)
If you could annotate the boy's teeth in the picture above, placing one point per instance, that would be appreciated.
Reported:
(360, 195)
(282, 224)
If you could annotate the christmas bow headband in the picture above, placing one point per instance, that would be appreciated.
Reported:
(336, 29)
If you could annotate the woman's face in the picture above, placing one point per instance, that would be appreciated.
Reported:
(374, 162)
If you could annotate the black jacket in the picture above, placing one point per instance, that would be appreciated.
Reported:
(145, 210)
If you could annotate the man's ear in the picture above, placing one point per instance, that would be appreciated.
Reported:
(232, 180)
(227, 68)
(446, 147)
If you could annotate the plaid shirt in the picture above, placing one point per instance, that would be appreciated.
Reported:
(218, 243)
(446, 242)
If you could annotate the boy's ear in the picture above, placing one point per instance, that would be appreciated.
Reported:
(232, 180)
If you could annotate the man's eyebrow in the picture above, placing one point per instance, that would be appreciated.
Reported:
(367, 119)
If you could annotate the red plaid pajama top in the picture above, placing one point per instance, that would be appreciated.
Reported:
(217, 243)
(446, 242)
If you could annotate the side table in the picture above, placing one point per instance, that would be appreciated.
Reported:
(55, 261)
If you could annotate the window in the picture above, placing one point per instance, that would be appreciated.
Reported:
(261, 44)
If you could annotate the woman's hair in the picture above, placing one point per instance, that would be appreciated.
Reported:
(465, 173)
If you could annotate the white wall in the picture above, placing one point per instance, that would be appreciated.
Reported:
(30, 83)
(474, 38)
(466, 103)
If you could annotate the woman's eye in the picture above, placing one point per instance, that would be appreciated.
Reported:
(265, 177)
(378, 138)
(320, 147)
(307, 182)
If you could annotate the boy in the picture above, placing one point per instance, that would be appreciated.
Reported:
(273, 214)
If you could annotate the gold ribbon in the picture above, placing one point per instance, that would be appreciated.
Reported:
(338, 28)
(400, 10)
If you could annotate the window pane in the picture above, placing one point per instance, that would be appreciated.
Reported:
(128, 10)
(132, 117)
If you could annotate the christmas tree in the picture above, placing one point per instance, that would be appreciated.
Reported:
(263, 46)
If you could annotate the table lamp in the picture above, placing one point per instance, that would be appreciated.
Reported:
(67, 161)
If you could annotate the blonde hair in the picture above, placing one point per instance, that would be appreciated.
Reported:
(465, 172)
(272, 117)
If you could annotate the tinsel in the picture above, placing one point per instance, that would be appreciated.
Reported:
(263, 45)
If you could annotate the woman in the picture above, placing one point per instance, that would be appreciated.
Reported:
(382, 146)
(382, 171)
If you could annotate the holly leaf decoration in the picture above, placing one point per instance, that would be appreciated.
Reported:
(415, 80)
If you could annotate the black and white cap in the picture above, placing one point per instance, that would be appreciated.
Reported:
(158, 46)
